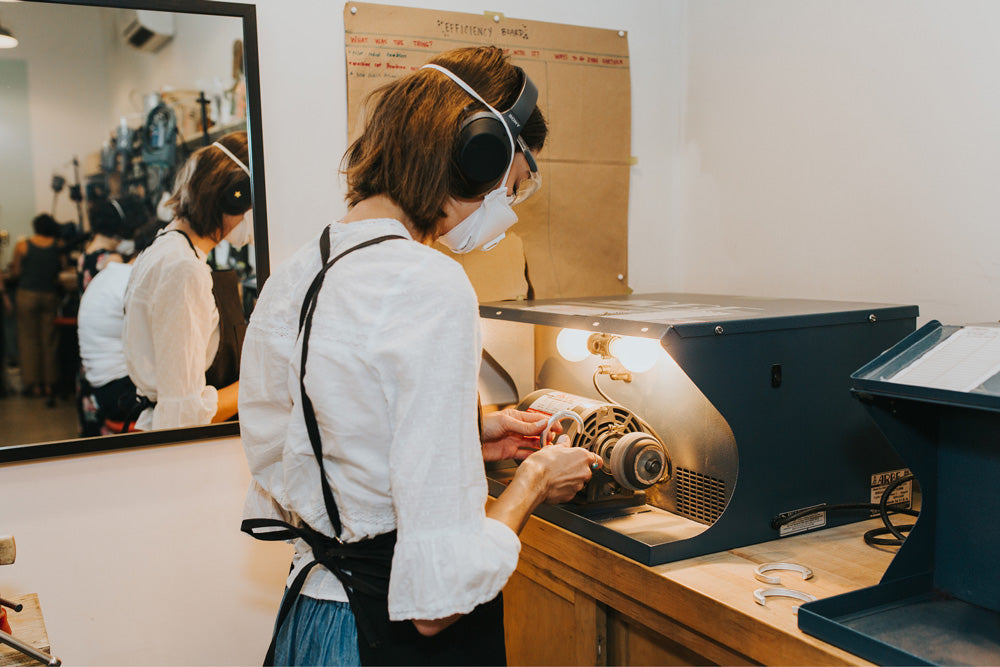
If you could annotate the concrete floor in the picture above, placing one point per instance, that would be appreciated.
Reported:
(29, 420)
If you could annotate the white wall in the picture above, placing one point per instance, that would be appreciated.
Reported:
(303, 76)
(845, 150)
(82, 78)
(67, 98)
(198, 58)
(137, 558)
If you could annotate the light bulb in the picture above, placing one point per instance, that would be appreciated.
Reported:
(636, 354)
(572, 344)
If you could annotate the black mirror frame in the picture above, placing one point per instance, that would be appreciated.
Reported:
(251, 65)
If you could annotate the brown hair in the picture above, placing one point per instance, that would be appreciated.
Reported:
(202, 181)
(408, 146)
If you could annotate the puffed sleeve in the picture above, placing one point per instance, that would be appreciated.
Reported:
(449, 556)
(183, 317)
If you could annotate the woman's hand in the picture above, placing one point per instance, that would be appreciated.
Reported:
(513, 434)
(553, 474)
(560, 471)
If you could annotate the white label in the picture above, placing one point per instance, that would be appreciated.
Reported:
(808, 522)
(556, 401)
(901, 495)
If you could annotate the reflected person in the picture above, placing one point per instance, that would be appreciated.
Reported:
(178, 325)
(107, 393)
(112, 223)
(36, 266)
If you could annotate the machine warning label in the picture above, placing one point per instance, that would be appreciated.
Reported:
(557, 401)
(801, 525)
(902, 495)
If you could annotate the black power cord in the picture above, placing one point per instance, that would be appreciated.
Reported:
(872, 536)
(883, 508)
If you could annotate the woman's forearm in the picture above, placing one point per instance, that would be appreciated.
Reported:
(228, 402)
(525, 492)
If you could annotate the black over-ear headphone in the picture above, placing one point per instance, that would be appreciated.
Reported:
(484, 148)
(235, 199)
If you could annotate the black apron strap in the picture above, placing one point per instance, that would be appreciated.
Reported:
(186, 238)
(141, 403)
(305, 328)
(324, 245)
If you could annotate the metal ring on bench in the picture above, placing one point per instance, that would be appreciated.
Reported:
(767, 567)
(761, 594)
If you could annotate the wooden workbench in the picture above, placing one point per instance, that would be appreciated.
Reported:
(573, 602)
(29, 627)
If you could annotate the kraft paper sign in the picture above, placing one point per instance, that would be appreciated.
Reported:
(571, 238)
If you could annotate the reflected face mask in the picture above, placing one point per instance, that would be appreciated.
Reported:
(242, 233)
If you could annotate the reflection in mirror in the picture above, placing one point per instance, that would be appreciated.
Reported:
(101, 107)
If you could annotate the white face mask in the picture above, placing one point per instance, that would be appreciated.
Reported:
(485, 227)
(242, 233)
(164, 212)
(125, 247)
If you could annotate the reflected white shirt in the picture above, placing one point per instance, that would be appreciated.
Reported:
(171, 333)
(99, 325)
(392, 373)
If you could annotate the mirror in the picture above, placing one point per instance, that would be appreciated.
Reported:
(102, 98)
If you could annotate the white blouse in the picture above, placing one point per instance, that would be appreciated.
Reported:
(171, 333)
(392, 373)
(99, 325)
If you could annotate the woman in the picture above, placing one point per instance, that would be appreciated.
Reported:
(371, 365)
(107, 394)
(112, 222)
(36, 266)
(107, 219)
(172, 330)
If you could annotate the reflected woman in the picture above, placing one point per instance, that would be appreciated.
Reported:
(112, 223)
(175, 328)
(36, 265)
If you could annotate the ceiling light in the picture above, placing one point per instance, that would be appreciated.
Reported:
(7, 39)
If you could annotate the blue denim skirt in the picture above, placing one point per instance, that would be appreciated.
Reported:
(317, 632)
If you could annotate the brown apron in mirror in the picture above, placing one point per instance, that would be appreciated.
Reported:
(225, 368)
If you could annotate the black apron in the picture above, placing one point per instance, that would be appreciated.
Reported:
(225, 368)
(364, 567)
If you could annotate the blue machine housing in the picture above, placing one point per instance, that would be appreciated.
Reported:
(757, 414)
(939, 600)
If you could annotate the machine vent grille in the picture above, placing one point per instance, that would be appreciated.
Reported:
(622, 418)
(699, 496)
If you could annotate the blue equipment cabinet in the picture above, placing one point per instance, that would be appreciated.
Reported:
(752, 401)
(936, 396)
